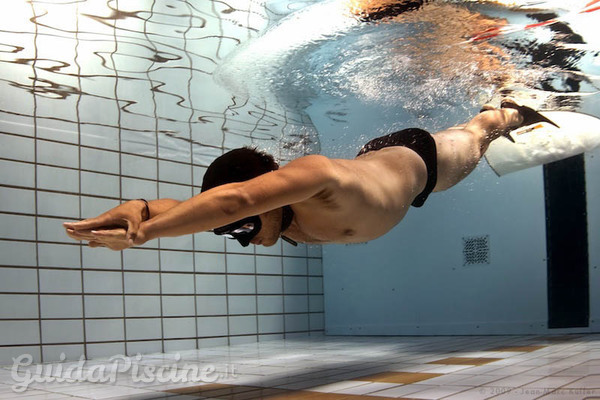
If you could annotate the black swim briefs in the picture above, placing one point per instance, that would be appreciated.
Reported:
(417, 140)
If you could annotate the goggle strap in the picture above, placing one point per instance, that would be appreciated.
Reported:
(290, 241)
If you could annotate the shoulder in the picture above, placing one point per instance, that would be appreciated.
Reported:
(316, 165)
(313, 160)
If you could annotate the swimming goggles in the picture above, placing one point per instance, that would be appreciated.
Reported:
(243, 230)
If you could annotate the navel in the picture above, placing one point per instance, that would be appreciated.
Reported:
(349, 232)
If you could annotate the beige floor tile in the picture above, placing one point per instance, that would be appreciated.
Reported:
(398, 377)
(465, 361)
(519, 349)
(588, 382)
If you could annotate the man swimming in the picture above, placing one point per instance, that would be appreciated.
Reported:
(313, 199)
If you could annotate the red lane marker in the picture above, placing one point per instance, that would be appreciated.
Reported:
(496, 31)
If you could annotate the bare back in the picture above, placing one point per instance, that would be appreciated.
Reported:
(372, 194)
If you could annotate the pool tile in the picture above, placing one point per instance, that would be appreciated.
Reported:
(465, 361)
(398, 377)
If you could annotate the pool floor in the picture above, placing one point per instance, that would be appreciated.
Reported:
(335, 368)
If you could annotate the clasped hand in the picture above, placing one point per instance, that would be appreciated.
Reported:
(117, 229)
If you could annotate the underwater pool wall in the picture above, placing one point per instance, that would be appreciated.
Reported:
(100, 105)
(473, 260)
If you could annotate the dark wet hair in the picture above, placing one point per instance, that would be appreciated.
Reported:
(238, 165)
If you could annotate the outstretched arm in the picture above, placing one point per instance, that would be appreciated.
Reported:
(297, 181)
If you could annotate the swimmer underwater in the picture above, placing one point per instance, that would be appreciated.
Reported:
(312, 199)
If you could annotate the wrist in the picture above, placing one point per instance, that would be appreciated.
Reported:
(146, 210)
(144, 233)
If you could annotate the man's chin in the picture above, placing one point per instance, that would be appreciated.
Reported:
(269, 243)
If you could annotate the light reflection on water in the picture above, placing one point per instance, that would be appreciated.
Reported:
(415, 68)
(138, 76)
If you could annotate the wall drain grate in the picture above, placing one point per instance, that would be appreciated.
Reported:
(476, 250)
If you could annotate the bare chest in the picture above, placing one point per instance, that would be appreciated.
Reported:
(341, 226)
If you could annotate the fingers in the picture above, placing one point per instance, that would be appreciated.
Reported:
(80, 235)
(114, 239)
(88, 224)
(109, 234)
(104, 234)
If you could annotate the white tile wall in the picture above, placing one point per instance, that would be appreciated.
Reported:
(143, 328)
(240, 264)
(19, 332)
(242, 325)
(179, 327)
(270, 323)
(177, 284)
(99, 184)
(18, 253)
(18, 306)
(241, 284)
(178, 305)
(17, 200)
(212, 326)
(58, 154)
(211, 305)
(140, 167)
(95, 205)
(296, 322)
(59, 179)
(18, 280)
(210, 262)
(99, 258)
(59, 351)
(60, 281)
(61, 306)
(141, 282)
(270, 304)
(242, 305)
(96, 350)
(57, 204)
(142, 306)
(140, 260)
(268, 265)
(137, 188)
(99, 160)
(294, 266)
(17, 148)
(21, 174)
(113, 139)
(17, 227)
(103, 330)
(56, 255)
(211, 284)
(102, 282)
(269, 284)
(176, 260)
(103, 306)
(62, 331)
(296, 304)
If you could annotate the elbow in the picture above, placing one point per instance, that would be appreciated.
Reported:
(233, 202)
